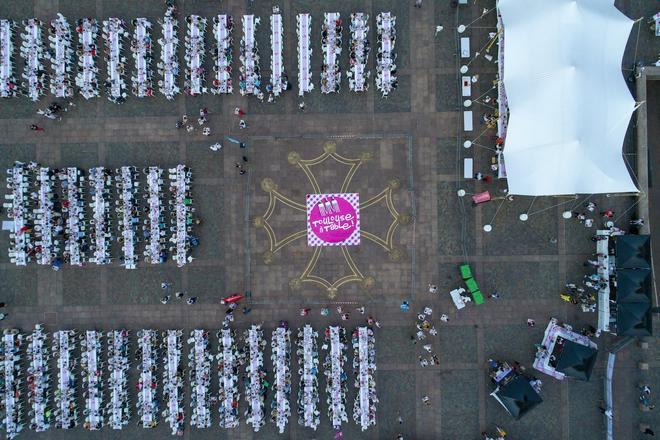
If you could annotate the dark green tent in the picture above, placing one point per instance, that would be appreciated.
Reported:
(577, 360)
(633, 252)
(633, 286)
(633, 319)
(517, 396)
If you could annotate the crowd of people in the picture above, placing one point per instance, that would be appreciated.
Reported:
(66, 408)
(358, 74)
(256, 384)
(364, 369)
(331, 47)
(32, 51)
(62, 53)
(173, 391)
(128, 212)
(229, 359)
(168, 66)
(105, 365)
(281, 361)
(424, 327)
(100, 235)
(10, 387)
(304, 31)
(146, 355)
(223, 27)
(336, 378)
(114, 31)
(43, 217)
(142, 78)
(195, 80)
(278, 79)
(86, 50)
(38, 378)
(92, 378)
(7, 78)
(61, 57)
(386, 80)
(250, 75)
(199, 365)
(308, 392)
(118, 409)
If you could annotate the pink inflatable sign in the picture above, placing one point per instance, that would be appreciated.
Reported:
(333, 219)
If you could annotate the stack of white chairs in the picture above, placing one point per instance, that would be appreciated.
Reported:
(61, 57)
(10, 389)
(223, 26)
(38, 376)
(154, 225)
(281, 359)
(99, 183)
(168, 67)
(308, 391)
(8, 86)
(335, 344)
(229, 359)
(147, 401)
(278, 80)
(386, 80)
(118, 409)
(304, 30)
(255, 377)
(66, 408)
(194, 42)
(32, 51)
(141, 48)
(86, 80)
(250, 78)
(92, 375)
(358, 74)
(364, 369)
(128, 212)
(114, 32)
(199, 367)
(331, 46)
(173, 393)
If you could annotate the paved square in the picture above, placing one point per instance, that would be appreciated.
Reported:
(405, 161)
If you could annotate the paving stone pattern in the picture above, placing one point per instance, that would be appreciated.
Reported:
(414, 136)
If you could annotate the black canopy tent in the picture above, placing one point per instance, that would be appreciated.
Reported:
(634, 284)
(577, 360)
(517, 396)
(633, 252)
(633, 319)
(633, 302)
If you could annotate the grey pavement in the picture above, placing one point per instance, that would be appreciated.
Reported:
(413, 138)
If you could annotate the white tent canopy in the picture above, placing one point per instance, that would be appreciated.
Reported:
(569, 105)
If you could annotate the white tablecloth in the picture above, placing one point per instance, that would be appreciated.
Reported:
(277, 60)
(304, 54)
(224, 43)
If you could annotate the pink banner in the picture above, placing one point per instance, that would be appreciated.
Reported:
(333, 219)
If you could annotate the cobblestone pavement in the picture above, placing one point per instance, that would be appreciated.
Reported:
(414, 138)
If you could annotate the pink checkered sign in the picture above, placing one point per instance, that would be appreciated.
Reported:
(333, 219)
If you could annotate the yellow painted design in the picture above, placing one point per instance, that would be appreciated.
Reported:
(275, 244)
